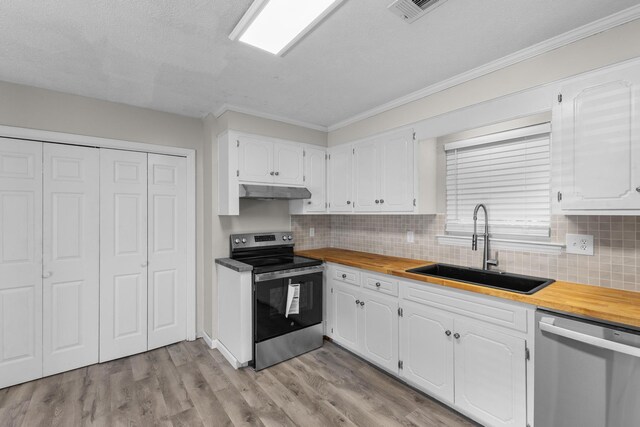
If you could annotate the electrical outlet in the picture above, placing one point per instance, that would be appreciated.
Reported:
(581, 244)
(312, 232)
(410, 237)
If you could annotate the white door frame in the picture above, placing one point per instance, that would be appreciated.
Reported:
(188, 153)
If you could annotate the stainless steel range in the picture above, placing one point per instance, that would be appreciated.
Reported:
(287, 297)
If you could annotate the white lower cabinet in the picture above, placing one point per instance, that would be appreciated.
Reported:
(456, 347)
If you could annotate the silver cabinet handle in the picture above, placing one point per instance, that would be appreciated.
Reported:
(447, 333)
(344, 276)
(47, 275)
(361, 303)
(456, 336)
(377, 201)
(271, 173)
(357, 301)
(277, 173)
(381, 201)
(144, 264)
(348, 202)
(377, 284)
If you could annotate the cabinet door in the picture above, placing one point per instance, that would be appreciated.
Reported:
(426, 349)
(20, 261)
(167, 248)
(380, 330)
(340, 174)
(366, 177)
(71, 257)
(315, 173)
(490, 375)
(123, 253)
(600, 143)
(345, 325)
(396, 173)
(255, 160)
(288, 164)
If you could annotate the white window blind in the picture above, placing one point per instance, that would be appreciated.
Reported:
(510, 173)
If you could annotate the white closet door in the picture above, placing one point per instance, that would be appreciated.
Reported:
(123, 253)
(167, 178)
(20, 261)
(71, 257)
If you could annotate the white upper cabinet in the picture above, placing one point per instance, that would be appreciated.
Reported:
(315, 180)
(339, 172)
(267, 161)
(597, 129)
(396, 180)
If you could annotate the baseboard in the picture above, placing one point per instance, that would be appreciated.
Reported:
(210, 341)
(227, 355)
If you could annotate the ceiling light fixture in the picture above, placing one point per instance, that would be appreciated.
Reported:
(276, 25)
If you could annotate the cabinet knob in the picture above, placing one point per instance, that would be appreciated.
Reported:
(309, 202)
(344, 276)
(377, 284)
(47, 275)
(638, 189)
(361, 303)
(277, 173)
(357, 301)
(348, 202)
(271, 173)
(381, 201)
(144, 264)
(448, 333)
(456, 336)
(377, 201)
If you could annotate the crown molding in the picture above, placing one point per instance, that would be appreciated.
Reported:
(564, 39)
(237, 109)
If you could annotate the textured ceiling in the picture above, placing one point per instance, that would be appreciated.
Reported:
(175, 55)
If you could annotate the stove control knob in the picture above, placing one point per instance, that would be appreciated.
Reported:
(289, 237)
(284, 237)
(236, 241)
(244, 240)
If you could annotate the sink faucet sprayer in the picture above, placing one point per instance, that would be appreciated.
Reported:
(486, 262)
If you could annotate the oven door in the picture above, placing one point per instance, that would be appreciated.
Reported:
(270, 302)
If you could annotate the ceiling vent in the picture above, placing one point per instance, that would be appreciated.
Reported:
(410, 10)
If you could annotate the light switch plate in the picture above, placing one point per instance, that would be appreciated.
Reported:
(312, 232)
(581, 244)
(410, 237)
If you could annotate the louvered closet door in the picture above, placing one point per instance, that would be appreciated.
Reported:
(71, 257)
(167, 178)
(20, 261)
(123, 253)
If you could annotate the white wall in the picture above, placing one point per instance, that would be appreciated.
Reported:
(255, 215)
(606, 48)
(33, 108)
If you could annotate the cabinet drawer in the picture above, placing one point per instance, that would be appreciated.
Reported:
(380, 284)
(508, 315)
(346, 275)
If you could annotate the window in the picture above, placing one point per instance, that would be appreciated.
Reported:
(510, 173)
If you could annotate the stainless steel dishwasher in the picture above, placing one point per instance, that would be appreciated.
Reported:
(587, 373)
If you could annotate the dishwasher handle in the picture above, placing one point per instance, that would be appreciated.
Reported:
(546, 325)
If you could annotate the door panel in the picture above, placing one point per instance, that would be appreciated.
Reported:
(490, 380)
(339, 174)
(366, 175)
(123, 253)
(255, 160)
(70, 257)
(426, 350)
(380, 330)
(396, 173)
(288, 164)
(346, 316)
(315, 168)
(167, 250)
(20, 261)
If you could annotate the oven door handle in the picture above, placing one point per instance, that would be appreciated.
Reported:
(274, 275)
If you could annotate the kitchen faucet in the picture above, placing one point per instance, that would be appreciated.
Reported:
(486, 262)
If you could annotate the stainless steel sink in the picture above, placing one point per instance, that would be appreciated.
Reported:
(492, 279)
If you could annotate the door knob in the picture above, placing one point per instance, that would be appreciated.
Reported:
(448, 333)
(456, 335)
(47, 274)
(357, 301)
(144, 264)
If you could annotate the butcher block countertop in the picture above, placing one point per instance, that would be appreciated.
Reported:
(612, 305)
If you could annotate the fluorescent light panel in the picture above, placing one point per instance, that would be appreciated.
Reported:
(276, 25)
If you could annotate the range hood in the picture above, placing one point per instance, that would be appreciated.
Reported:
(270, 192)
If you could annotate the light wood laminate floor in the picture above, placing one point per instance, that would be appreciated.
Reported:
(188, 384)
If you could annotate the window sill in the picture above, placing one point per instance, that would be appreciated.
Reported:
(505, 244)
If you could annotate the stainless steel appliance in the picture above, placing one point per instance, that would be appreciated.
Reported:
(587, 373)
(277, 334)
